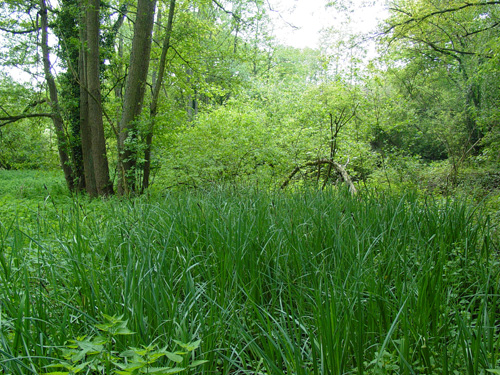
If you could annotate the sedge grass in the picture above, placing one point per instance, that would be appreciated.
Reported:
(273, 283)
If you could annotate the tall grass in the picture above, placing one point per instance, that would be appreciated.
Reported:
(273, 283)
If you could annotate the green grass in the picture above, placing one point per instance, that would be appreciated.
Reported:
(272, 283)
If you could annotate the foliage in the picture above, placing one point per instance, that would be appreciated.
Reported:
(96, 354)
(26, 144)
(449, 43)
(428, 97)
(301, 281)
(229, 144)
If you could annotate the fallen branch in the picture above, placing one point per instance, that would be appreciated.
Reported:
(339, 168)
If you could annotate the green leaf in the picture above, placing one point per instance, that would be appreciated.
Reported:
(155, 355)
(494, 371)
(90, 347)
(197, 363)
(104, 327)
(62, 364)
(78, 356)
(128, 353)
(123, 331)
(131, 367)
(164, 370)
(113, 319)
(189, 346)
(120, 372)
(100, 340)
(80, 367)
(174, 357)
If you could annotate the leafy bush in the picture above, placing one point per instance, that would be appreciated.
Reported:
(229, 144)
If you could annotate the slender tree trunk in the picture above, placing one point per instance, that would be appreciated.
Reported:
(96, 126)
(62, 141)
(135, 87)
(156, 94)
(85, 130)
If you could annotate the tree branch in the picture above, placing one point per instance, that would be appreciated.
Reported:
(221, 7)
(34, 104)
(435, 13)
(449, 51)
(9, 119)
(19, 32)
(339, 168)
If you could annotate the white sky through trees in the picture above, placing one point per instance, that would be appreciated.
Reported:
(298, 23)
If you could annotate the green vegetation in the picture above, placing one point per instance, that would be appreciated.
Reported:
(297, 282)
(226, 103)
(230, 205)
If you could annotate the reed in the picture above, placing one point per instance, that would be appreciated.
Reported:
(299, 283)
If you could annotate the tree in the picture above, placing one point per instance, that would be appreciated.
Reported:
(134, 94)
(214, 48)
(153, 109)
(66, 28)
(68, 142)
(92, 126)
(25, 142)
(455, 34)
(54, 102)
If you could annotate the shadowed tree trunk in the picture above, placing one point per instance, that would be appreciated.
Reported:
(85, 131)
(135, 87)
(96, 126)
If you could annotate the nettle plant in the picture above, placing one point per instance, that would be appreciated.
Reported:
(95, 355)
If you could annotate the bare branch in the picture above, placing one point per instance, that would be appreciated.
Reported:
(19, 32)
(435, 13)
(236, 17)
(10, 119)
(339, 168)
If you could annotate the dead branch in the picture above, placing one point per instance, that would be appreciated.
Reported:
(339, 168)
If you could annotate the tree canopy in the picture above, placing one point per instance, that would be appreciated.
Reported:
(191, 92)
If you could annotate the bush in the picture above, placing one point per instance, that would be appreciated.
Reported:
(231, 144)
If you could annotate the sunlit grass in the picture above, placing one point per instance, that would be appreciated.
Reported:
(273, 283)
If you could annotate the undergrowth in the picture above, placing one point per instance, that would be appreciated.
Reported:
(299, 282)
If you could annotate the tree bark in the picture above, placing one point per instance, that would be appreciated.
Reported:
(85, 130)
(156, 94)
(96, 126)
(62, 141)
(134, 94)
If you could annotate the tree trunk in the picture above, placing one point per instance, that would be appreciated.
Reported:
(96, 126)
(156, 95)
(134, 94)
(85, 131)
(62, 141)
(69, 84)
